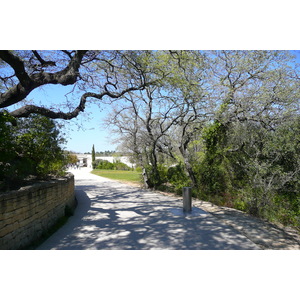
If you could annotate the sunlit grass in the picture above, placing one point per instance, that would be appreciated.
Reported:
(132, 176)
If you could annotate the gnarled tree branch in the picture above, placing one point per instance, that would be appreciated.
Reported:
(26, 110)
(17, 64)
(67, 76)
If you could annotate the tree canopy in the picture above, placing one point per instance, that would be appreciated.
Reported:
(29, 149)
(224, 122)
(96, 74)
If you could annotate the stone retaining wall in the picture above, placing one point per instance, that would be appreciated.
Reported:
(27, 213)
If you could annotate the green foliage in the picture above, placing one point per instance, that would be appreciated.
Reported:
(29, 148)
(106, 165)
(213, 170)
(251, 168)
(6, 147)
(265, 171)
(176, 174)
(107, 153)
(238, 142)
(178, 178)
(139, 169)
(71, 158)
(171, 179)
(93, 154)
(38, 139)
(118, 165)
(103, 164)
(153, 176)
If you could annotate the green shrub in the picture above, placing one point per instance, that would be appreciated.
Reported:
(29, 147)
(118, 165)
(139, 169)
(102, 164)
(177, 177)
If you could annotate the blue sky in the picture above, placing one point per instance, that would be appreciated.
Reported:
(86, 129)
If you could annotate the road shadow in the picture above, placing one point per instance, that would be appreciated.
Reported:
(263, 233)
(115, 216)
(75, 221)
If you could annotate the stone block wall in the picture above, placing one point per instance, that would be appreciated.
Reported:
(25, 214)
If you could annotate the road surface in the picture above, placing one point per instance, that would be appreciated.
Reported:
(113, 215)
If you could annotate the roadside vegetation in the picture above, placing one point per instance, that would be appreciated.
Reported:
(225, 123)
(106, 165)
(30, 150)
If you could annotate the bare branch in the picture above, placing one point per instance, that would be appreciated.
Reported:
(28, 83)
(42, 61)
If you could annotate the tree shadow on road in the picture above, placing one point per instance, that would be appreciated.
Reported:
(129, 218)
(263, 233)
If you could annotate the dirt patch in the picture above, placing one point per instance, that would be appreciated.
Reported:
(134, 184)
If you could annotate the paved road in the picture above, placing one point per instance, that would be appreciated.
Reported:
(112, 215)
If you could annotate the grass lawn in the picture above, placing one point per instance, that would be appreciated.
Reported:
(132, 176)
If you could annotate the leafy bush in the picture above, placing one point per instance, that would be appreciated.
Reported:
(178, 178)
(29, 147)
(118, 165)
(106, 165)
(139, 169)
(252, 168)
(103, 164)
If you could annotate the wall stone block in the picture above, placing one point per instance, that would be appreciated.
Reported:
(27, 213)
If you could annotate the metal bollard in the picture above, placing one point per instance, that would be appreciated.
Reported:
(187, 199)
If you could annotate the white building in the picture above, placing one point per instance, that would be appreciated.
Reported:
(85, 160)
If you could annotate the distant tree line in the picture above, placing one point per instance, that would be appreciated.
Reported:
(106, 153)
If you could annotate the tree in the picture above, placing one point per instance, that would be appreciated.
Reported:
(267, 166)
(93, 154)
(225, 117)
(71, 158)
(30, 148)
(249, 158)
(253, 85)
(95, 74)
(160, 121)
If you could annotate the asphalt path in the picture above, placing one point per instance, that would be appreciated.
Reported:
(114, 215)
